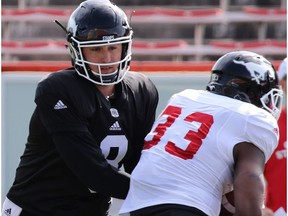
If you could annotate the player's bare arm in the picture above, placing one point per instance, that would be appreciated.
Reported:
(249, 180)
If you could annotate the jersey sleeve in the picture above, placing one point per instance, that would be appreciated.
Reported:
(262, 130)
(57, 119)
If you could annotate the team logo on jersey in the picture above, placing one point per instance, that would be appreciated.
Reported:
(114, 112)
(257, 71)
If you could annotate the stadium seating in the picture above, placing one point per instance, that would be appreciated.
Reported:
(161, 31)
(176, 49)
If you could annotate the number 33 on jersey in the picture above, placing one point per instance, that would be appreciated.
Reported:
(200, 126)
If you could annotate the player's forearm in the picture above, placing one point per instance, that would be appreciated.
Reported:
(248, 180)
(249, 194)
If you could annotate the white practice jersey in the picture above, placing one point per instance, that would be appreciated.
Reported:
(188, 155)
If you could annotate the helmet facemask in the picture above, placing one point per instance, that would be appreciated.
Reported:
(82, 65)
(272, 102)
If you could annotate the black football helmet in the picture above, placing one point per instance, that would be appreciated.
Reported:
(98, 23)
(248, 77)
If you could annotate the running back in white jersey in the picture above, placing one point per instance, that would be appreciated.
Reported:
(188, 155)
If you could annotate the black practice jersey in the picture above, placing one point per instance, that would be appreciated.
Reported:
(77, 141)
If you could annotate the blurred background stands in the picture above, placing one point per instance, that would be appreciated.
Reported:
(178, 30)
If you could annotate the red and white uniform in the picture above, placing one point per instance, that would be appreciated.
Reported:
(276, 170)
(188, 155)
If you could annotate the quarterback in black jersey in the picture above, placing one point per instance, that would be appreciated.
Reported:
(90, 120)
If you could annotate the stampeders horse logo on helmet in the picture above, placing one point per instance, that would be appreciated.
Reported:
(257, 71)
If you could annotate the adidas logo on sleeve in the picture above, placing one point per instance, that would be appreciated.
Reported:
(60, 105)
(7, 211)
(10, 208)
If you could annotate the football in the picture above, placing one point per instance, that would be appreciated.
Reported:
(227, 205)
